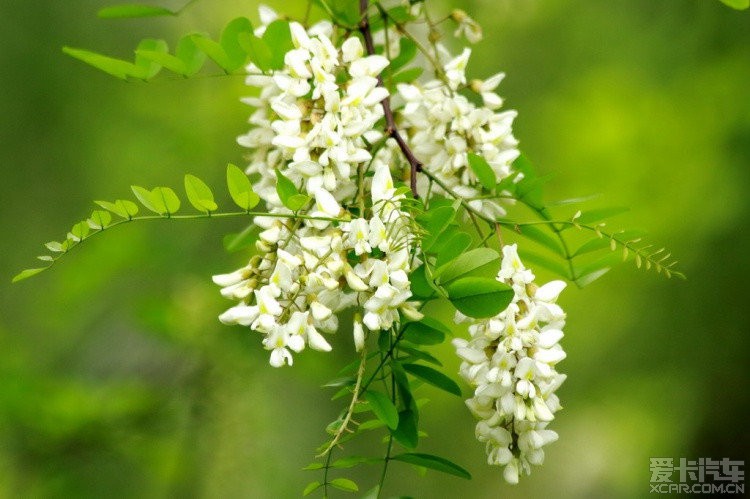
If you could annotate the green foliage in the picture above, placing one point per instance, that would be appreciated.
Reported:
(479, 297)
(737, 4)
(476, 262)
(427, 331)
(344, 484)
(483, 171)
(433, 377)
(240, 188)
(383, 408)
(289, 194)
(199, 194)
(436, 463)
(133, 10)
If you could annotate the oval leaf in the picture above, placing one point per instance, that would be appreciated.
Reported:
(383, 408)
(479, 261)
(199, 194)
(479, 297)
(344, 484)
(240, 188)
(165, 199)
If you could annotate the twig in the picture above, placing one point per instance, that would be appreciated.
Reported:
(390, 123)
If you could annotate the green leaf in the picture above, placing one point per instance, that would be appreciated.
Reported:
(589, 217)
(436, 463)
(419, 354)
(427, 331)
(737, 4)
(25, 274)
(80, 230)
(479, 261)
(148, 68)
(145, 197)
(163, 59)
(213, 50)
(433, 377)
(344, 484)
(482, 170)
(420, 284)
(199, 194)
(383, 408)
(407, 433)
(587, 279)
(245, 239)
(278, 38)
(192, 58)
(592, 245)
(240, 188)
(115, 67)
(165, 200)
(121, 207)
(311, 487)
(232, 38)
(406, 53)
(439, 219)
(352, 461)
(133, 10)
(99, 219)
(55, 246)
(453, 248)
(288, 193)
(543, 238)
(373, 493)
(407, 75)
(479, 297)
(542, 261)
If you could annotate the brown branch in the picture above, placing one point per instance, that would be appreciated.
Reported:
(390, 123)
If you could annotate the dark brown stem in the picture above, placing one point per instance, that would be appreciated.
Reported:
(390, 123)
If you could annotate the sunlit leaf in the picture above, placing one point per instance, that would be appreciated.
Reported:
(737, 4)
(55, 246)
(240, 188)
(115, 67)
(199, 194)
(278, 39)
(288, 193)
(121, 207)
(166, 200)
(25, 274)
(147, 67)
(99, 219)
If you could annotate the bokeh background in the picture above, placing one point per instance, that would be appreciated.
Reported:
(117, 380)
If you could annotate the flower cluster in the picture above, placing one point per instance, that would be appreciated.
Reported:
(308, 125)
(444, 126)
(510, 361)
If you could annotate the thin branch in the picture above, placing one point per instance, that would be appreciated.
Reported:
(390, 123)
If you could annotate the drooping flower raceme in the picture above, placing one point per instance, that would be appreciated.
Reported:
(510, 360)
(444, 127)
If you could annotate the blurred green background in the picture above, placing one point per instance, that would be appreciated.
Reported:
(116, 378)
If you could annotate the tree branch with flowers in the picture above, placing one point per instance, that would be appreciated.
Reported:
(379, 179)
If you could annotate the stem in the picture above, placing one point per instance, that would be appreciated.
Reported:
(415, 165)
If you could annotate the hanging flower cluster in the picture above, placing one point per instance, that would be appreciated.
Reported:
(314, 130)
(445, 126)
(510, 361)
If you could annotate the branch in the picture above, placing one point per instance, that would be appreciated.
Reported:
(390, 123)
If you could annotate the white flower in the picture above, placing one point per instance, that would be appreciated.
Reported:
(466, 26)
(510, 361)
